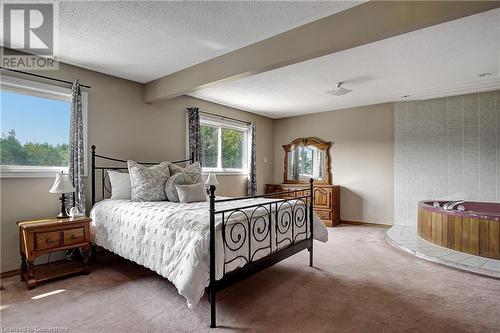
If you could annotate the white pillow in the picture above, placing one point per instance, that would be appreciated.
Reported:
(120, 185)
(191, 193)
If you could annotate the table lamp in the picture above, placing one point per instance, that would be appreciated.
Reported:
(62, 185)
(211, 180)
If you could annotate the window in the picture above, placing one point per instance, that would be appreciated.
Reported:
(35, 124)
(224, 146)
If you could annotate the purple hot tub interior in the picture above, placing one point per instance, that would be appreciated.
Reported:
(473, 209)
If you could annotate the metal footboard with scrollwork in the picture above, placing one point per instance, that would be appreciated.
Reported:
(258, 235)
(255, 234)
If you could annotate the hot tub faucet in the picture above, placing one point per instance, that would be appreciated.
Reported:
(452, 205)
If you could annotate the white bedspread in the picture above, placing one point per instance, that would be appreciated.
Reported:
(172, 239)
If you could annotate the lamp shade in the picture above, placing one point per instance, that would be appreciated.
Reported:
(62, 184)
(211, 179)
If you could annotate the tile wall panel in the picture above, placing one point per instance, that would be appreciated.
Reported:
(446, 148)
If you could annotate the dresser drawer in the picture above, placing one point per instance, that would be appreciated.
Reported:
(326, 199)
(324, 215)
(290, 195)
(73, 236)
(47, 240)
(322, 198)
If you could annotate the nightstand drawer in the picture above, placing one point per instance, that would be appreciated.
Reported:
(47, 240)
(73, 236)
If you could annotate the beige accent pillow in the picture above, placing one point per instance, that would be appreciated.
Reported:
(191, 193)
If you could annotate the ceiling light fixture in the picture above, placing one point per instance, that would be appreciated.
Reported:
(482, 75)
(339, 90)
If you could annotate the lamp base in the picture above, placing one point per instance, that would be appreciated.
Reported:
(63, 214)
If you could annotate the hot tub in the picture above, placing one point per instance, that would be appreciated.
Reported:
(476, 230)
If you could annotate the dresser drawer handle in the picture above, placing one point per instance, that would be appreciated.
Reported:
(73, 236)
(49, 241)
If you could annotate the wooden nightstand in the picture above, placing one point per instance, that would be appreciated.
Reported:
(39, 237)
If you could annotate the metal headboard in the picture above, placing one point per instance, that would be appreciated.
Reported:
(103, 170)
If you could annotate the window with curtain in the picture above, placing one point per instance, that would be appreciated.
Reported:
(35, 126)
(224, 146)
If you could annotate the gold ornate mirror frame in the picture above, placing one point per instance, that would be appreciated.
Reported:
(304, 142)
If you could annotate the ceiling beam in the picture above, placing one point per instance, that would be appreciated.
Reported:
(359, 25)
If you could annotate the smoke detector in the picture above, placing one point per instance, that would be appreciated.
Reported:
(483, 75)
(339, 90)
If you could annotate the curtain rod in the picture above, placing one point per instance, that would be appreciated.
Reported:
(224, 117)
(42, 76)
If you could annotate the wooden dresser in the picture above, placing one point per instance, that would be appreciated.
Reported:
(326, 199)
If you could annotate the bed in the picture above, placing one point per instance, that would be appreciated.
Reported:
(201, 245)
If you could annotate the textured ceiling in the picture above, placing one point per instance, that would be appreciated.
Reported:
(145, 40)
(438, 61)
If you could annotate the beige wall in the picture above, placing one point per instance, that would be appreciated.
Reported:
(362, 156)
(122, 125)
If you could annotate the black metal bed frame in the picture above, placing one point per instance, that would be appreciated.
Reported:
(243, 227)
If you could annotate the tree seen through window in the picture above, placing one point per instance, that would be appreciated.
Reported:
(230, 142)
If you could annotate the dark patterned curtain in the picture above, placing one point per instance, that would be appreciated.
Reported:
(76, 149)
(252, 175)
(194, 133)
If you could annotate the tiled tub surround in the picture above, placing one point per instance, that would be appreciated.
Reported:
(446, 148)
(475, 230)
(406, 238)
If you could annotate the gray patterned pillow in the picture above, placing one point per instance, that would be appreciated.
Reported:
(194, 170)
(148, 183)
(179, 178)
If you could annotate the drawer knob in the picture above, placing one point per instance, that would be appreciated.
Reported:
(73, 236)
(49, 241)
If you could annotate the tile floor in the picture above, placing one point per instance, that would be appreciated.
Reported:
(406, 238)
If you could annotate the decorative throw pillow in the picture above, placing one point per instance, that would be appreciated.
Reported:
(194, 170)
(191, 193)
(179, 178)
(148, 183)
(120, 185)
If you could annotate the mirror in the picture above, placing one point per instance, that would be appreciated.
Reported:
(307, 158)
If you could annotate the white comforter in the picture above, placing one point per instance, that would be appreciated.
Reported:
(172, 239)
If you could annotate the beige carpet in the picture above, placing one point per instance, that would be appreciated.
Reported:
(360, 284)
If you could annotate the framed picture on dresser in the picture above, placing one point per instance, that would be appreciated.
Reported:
(306, 158)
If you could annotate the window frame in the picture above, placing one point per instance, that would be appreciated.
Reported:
(44, 90)
(227, 124)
